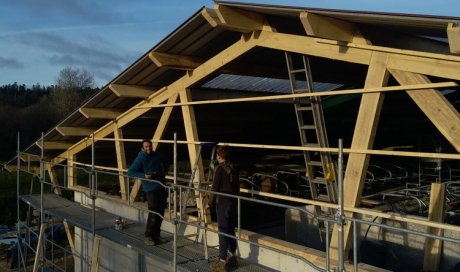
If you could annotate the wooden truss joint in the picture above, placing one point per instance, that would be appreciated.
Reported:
(453, 35)
(331, 28)
(235, 19)
(132, 91)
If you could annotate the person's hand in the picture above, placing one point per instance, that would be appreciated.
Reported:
(206, 206)
(148, 176)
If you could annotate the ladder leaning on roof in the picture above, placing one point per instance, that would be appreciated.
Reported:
(310, 119)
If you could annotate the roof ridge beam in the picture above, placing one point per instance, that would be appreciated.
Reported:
(100, 113)
(173, 61)
(133, 91)
(331, 28)
(235, 19)
(75, 131)
(453, 35)
(440, 65)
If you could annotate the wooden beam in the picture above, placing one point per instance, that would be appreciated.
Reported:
(29, 158)
(330, 28)
(134, 91)
(445, 66)
(11, 168)
(70, 235)
(121, 160)
(178, 62)
(453, 35)
(100, 113)
(53, 178)
(135, 190)
(435, 106)
(39, 250)
(95, 254)
(246, 43)
(163, 122)
(71, 171)
(191, 132)
(75, 131)
(363, 138)
(433, 247)
(54, 145)
(286, 98)
(235, 19)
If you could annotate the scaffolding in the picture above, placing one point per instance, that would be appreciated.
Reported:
(185, 255)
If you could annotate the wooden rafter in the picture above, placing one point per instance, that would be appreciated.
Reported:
(246, 43)
(100, 113)
(29, 158)
(75, 131)
(172, 61)
(235, 19)
(453, 34)
(331, 28)
(134, 91)
(363, 138)
(435, 106)
(54, 145)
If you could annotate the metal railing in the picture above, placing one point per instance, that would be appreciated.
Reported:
(174, 188)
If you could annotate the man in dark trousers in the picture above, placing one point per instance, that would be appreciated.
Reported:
(152, 166)
(226, 181)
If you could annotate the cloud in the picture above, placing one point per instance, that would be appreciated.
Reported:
(82, 10)
(9, 63)
(91, 52)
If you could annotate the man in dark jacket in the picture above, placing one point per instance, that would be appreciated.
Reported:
(151, 167)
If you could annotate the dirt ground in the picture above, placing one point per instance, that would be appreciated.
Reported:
(5, 264)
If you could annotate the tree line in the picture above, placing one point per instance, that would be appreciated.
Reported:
(34, 109)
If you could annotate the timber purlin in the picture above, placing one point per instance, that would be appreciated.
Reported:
(190, 255)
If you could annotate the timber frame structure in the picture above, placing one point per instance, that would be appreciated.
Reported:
(183, 85)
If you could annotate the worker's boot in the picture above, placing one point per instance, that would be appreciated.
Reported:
(231, 261)
(218, 266)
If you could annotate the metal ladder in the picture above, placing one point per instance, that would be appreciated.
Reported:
(309, 112)
(199, 197)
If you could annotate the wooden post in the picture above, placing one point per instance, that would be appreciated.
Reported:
(53, 178)
(95, 255)
(39, 251)
(191, 133)
(363, 138)
(433, 247)
(121, 160)
(70, 235)
(135, 190)
(71, 172)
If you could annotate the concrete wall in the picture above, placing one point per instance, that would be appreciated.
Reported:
(377, 246)
(115, 257)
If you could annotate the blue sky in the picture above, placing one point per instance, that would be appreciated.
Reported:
(38, 38)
